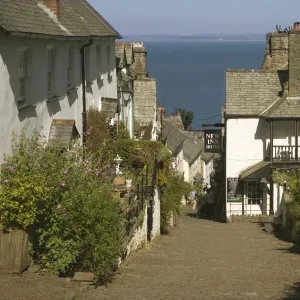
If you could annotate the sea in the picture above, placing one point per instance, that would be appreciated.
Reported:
(190, 72)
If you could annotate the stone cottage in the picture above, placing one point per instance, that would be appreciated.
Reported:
(143, 107)
(57, 58)
(262, 126)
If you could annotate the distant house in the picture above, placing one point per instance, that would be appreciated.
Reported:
(57, 58)
(262, 126)
(143, 98)
(124, 55)
(190, 160)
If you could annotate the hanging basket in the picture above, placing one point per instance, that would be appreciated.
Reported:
(287, 197)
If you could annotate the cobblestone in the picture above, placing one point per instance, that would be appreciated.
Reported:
(200, 259)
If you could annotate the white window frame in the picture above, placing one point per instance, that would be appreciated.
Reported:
(22, 75)
(108, 60)
(50, 71)
(70, 68)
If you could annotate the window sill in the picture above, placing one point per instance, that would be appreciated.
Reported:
(24, 106)
(71, 90)
(52, 99)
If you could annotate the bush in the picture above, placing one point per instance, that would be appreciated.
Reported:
(64, 204)
(171, 196)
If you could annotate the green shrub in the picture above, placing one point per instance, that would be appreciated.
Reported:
(64, 204)
(171, 196)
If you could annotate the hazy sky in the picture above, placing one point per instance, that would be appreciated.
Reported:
(197, 16)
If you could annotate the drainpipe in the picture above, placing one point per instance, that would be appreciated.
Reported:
(83, 79)
(132, 108)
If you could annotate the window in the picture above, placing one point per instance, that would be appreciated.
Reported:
(254, 192)
(99, 54)
(87, 63)
(50, 71)
(22, 76)
(70, 67)
(108, 60)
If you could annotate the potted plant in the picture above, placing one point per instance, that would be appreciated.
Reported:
(128, 178)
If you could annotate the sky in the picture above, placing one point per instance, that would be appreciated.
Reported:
(187, 17)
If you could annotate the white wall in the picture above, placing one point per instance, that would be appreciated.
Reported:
(247, 143)
(39, 113)
(156, 216)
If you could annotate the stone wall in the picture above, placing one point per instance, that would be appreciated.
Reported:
(145, 100)
(139, 238)
(277, 55)
(294, 64)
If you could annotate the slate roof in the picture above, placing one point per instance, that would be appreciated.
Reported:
(249, 93)
(176, 121)
(77, 19)
(285, 107)
(190, 150)
(172, 136)
(199, 141)
(252, 170)
(62, 132)
(128, 51)
(109, 106)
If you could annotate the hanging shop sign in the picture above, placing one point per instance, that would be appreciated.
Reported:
(234, 190)
(212, 140)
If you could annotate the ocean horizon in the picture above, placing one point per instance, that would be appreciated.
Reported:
(190, 73)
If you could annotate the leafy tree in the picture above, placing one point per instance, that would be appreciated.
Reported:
(186, 117)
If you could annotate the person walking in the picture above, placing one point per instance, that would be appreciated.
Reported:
(210, 199)
(202, 205)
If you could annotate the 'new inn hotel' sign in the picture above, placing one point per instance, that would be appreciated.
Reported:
(212, 140)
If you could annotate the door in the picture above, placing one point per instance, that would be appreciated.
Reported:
(253, 204)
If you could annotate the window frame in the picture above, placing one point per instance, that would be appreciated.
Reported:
(23, 75)
(254, 192)
(70, 68)
(108, 60)
(50, 71)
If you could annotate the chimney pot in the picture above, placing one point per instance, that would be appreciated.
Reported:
(296, 26)
(54, 6)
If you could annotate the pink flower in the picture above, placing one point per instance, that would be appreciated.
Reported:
(65, 172)
(88, 132)
(6, 180)
(11, 169)
(63, 183)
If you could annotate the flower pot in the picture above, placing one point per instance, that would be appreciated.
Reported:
(128, 183)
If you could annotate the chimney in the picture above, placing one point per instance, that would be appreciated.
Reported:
(54, 6)
(294, 61)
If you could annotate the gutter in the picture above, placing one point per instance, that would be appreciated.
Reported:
(44, 36)
(83, 82)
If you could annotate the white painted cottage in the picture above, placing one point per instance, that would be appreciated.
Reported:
(57, 58)
(262, 126)
(190, 160)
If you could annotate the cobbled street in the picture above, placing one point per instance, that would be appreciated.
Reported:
(200, 259)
